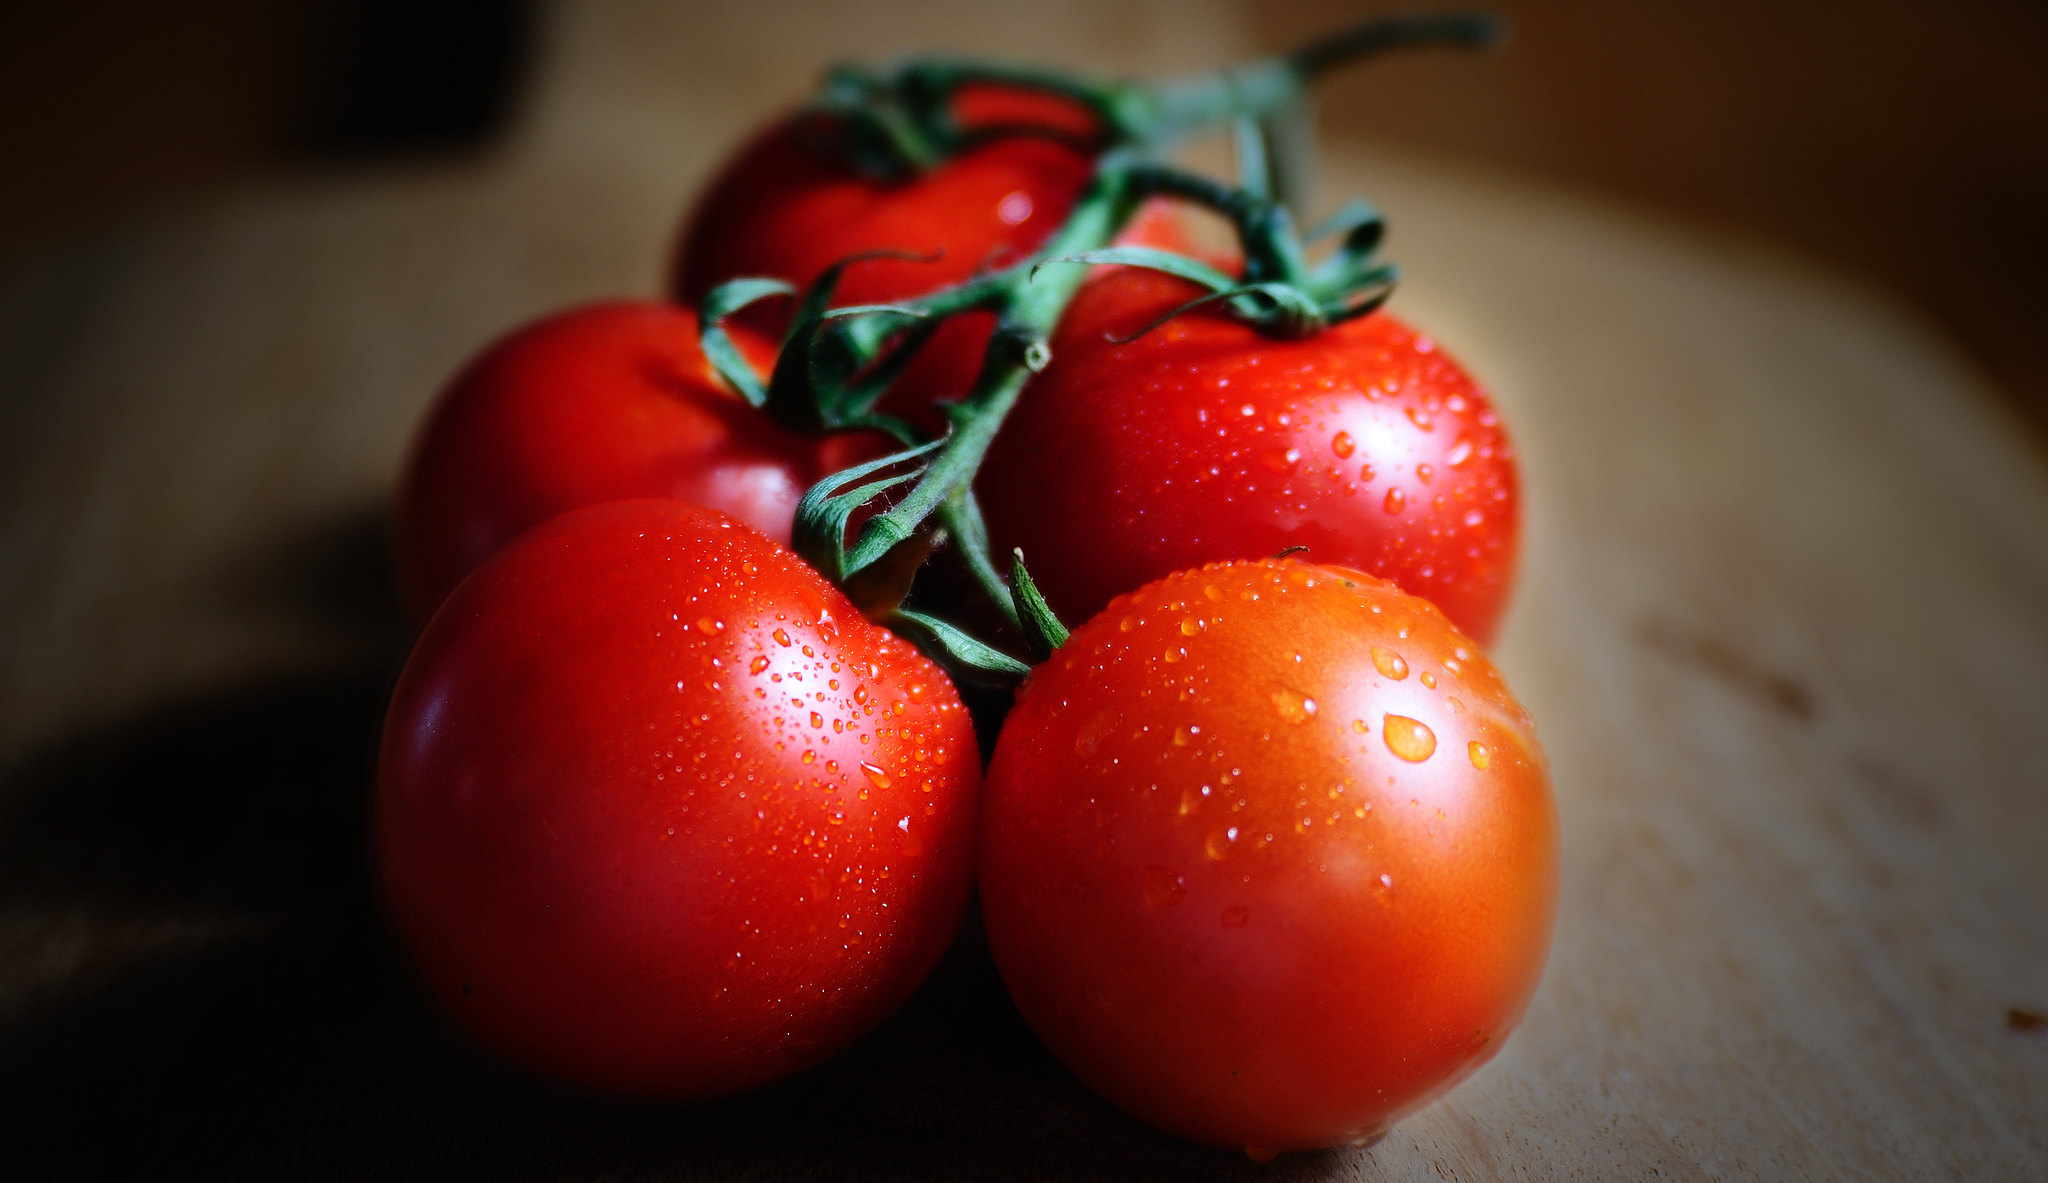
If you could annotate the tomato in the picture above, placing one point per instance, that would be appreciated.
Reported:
(658, 812)
(785, 208)
(1203, 440)
(598, 403)
(1268, 855)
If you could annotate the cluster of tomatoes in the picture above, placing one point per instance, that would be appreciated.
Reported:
(1265, 850)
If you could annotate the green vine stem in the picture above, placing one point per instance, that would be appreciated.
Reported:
(903, 117)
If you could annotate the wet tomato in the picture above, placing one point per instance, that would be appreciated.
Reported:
(785, 208)
(658, 812)
(1268, 855)
(1203, 440)
(598, 403)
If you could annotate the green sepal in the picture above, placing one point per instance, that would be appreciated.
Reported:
(724, 356)
(819, 534)
(955, 648)
(821, 354)
(1042, 629)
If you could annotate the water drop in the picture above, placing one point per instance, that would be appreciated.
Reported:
(810, 756)
(1420, 418)
(1343, 445)
(757, 665)
(1396, 501)
(1410, 739)
(710, 626)
(817, 720)
(1389, 663)
(1428, 680)
(1294, 706)
(1220, 843)
(1460, 451)
(1014, 208)
(876, 776)
(1481, 757)
(1190, 625)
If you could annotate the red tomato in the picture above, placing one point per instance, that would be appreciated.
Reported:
(1268, 855)
(595, 404)
(660, 813)
(784, 208)
(1203, 440)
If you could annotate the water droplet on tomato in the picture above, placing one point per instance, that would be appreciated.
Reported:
(1481, 757)
(1161, 887)
(1460, 452)
(757, 665)
(1410, 739)
(1429, 679)
(1425, 473)
(1294, 706)
(1395, 502)
(1014, 208)
(876, 775)
(710, 626)
(817, 720)
(1190, 625)
(1389, 663)
(1420, 418)
(1220, 843)
(810, 756)
(1343, 445)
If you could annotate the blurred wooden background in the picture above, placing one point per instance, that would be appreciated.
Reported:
(1904, 142)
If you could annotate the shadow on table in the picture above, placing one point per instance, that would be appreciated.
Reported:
(275, 1032)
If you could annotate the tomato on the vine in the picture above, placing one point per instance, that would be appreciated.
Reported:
(658, 812)
(598, 403)
(785, 208)
(1203, 440)
(1268, 855)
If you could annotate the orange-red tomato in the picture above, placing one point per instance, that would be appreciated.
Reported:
(658, 812)
(598, 403)
(1268, 855)
(1203, 440)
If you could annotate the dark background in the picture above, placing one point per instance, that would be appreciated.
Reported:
(1901, 141)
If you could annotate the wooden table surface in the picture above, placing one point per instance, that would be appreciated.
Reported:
(1784, 620)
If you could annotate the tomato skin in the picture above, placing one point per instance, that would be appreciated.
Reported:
(597, 403)
(619, 844)
(784, 208)
(1203, 440)
(1228, 908)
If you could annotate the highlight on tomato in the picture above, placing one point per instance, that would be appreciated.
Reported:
(1268, 855)
(1203, 440)
(659, 813)
(597, 403)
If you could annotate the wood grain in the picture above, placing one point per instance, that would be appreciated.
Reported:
(1782, 621)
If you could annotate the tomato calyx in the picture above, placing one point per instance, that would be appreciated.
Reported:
(836, 364)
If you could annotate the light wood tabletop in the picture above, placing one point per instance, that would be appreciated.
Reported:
(1783, 621)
